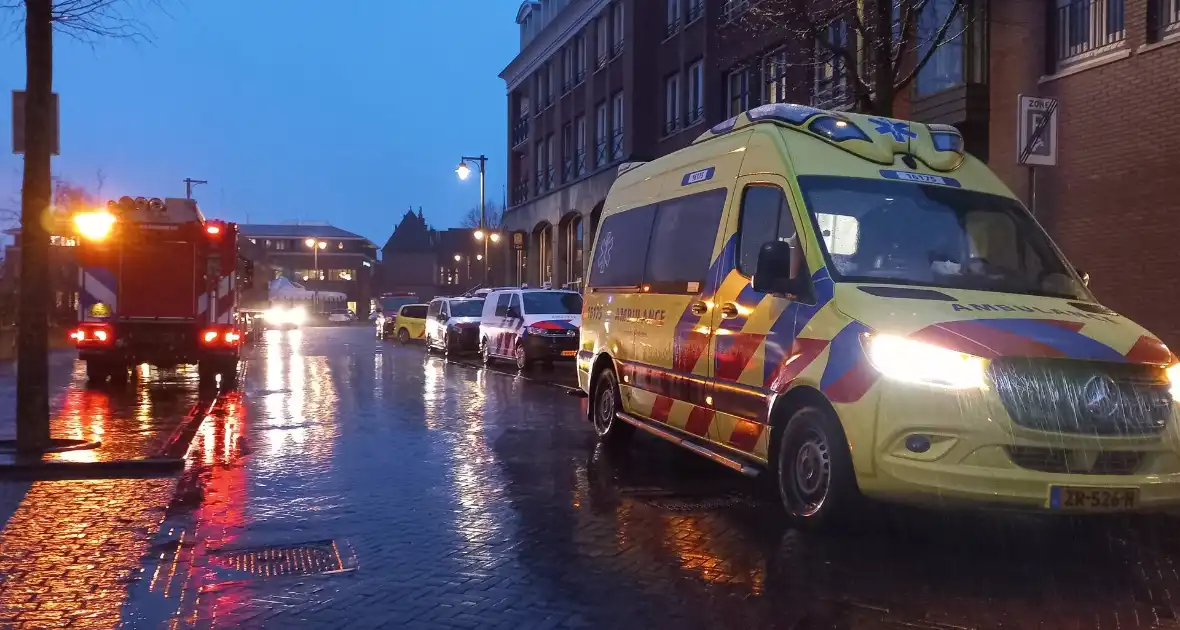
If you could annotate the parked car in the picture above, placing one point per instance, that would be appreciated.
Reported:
(341, 316)
(408, 323)
(452, 324)
(530, 325)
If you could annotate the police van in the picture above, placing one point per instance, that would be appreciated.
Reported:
(527, 326)
(853, 306)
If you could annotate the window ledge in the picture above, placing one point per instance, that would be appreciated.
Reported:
(1089, 64)
(1167, 40)
(670, 37)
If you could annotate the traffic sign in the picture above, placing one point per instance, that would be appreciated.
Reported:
(1036, 141)
(518, 241)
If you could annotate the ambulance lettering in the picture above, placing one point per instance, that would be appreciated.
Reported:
(1012, 308)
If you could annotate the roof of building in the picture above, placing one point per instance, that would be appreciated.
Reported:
(412, 234)
(304, 230)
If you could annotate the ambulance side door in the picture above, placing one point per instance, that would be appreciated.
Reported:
(748, 326)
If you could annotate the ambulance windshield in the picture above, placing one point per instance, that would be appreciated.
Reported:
(935, 235)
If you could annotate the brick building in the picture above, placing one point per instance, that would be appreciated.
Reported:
(428, 262)
(581, 103)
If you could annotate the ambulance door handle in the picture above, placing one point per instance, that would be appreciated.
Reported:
(699, 308)
(729, 310)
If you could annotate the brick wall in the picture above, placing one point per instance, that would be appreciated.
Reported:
(1113, 201)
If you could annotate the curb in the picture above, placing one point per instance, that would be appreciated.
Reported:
(116, 469)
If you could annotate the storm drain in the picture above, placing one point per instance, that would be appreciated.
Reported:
(280, 561)
(698, 503)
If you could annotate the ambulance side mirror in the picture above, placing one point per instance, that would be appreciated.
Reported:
(1084, 276)
(773, 273)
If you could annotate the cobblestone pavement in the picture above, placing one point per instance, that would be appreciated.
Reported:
(361, 484)
(69, 549)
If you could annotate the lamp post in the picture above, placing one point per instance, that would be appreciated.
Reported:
(482, 233)
(316, 246)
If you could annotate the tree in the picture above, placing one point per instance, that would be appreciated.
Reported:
(85, 20)
(876, 47)
(494, 214)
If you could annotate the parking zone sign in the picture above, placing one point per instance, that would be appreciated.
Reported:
(1036, 142)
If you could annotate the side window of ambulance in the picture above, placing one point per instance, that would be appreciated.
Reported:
(502, 305)
(765, 216)
(619, 251)
(682, 241)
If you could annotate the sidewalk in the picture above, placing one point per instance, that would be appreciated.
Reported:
(69, 549)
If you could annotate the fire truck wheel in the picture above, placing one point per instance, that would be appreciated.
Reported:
(96, 372)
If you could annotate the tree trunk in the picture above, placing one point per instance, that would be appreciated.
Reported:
(32, 377)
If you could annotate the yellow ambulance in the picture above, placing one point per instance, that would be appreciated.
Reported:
(853, 306)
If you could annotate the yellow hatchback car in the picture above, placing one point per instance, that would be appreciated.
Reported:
(856, 307)
(408, 324)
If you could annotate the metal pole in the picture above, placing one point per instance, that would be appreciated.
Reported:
(483, 218)
(315, 257)
(1032, 190)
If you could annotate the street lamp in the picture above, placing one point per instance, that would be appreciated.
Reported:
(316, 246)
(464, 172)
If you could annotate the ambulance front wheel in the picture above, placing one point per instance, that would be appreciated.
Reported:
(605, 405)
(813, 469)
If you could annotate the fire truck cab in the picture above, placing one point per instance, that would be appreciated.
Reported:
(157, 284)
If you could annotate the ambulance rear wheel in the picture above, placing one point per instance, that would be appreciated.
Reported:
(813, 469)
(605, 405)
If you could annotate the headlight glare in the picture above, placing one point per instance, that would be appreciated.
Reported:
(1174, 378)
(912, 361)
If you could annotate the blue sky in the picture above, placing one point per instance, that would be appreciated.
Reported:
(346, 112)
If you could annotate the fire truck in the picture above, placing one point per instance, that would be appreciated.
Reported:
(157, 284)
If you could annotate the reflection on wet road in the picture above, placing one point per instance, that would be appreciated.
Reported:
(361, 483)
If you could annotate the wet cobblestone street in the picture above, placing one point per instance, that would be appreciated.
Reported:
(353, 483)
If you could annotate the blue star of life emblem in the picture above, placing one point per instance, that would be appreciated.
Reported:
(899, 130)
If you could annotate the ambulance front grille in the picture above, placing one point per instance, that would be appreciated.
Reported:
(1065, 461)
(1083, 397)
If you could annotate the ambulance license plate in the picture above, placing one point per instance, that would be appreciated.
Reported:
(1092, 499)
(569, 353)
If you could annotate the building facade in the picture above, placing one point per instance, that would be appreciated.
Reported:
(597, 83)
(344, 263)
(419, 259)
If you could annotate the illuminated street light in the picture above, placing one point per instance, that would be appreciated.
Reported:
(316, 246)
(458, 257)
(96, 225)
(463, 170)
(495, 236)
(479, 235)
(479, 256)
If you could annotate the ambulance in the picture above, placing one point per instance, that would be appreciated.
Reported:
(854, 307)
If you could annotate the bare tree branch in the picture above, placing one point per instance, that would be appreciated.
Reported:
(89, 20)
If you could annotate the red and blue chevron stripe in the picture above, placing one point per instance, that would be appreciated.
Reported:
(1047, 338)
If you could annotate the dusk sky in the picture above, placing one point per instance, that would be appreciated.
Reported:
(345, 112)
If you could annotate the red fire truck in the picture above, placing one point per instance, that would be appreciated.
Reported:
(157, 284)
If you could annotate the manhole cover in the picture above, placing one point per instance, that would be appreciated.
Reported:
(305, 559)
(697, 503)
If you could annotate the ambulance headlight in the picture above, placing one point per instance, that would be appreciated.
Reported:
(912, 361)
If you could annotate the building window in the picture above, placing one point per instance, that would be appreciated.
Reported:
(600, 132)
(554, 77)
(945, 67)
(567, 60)
(774, 73)
(551, 162)
(671, 104)
(567, 153)
(831, 76)
(696, 92)
(733, 9)
(696, 9)
(580, 145)
(617, 17)
(1166, 19)
(573, 253)
(737, 92)
(1084, 28)
(540, 186)
(602, 30)
(341, 274)
(673, 23)
(279, 245)
(580, 61)
(617, 125)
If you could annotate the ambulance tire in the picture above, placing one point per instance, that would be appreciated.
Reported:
(605, 404)
(812, 469)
